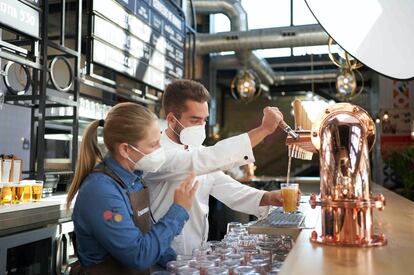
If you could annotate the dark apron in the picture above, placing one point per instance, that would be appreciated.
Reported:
(142, 219)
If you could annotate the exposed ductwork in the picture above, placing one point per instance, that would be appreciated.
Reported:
(231, 8)
(308, 35)
(258, 65)
(231, 62)
(238, 18)
(243, 41)
(306, 77)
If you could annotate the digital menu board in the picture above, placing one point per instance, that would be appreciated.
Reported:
(143, 39)
(19, 16)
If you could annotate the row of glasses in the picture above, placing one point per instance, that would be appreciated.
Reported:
(238, 253)
(87, 108)
(20, 192)
(260, 254)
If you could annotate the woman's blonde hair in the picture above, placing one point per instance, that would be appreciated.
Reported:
(125, 123)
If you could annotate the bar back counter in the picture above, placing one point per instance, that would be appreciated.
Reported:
(396, 222)
(35, 237)
(41, 232)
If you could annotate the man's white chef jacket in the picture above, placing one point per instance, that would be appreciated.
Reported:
(207, 163)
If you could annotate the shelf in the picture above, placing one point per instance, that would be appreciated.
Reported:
(111, 90)
(37, 53)
(19, 59)
(52, 97)
(69, 119)
(67, 137)
(58, 172)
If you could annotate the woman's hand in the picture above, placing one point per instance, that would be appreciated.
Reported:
(184, 194)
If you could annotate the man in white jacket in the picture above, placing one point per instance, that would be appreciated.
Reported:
(185, 103)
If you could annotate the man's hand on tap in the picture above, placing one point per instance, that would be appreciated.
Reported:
(270, 121)
(274, 198)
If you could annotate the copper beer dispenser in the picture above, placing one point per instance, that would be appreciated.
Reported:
(343, 135)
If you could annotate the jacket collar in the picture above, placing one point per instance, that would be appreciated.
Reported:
(170, 143)
(128, 177)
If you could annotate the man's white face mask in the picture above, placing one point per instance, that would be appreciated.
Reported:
(192, 136)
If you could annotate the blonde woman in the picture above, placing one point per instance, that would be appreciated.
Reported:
(111, 214)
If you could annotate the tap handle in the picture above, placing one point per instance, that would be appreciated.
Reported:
(298, 111)
(379, 202)
(302, 121)
(288, 130)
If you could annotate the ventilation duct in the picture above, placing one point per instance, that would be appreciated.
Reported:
(238, 18)
(308, 35)
(243, 41)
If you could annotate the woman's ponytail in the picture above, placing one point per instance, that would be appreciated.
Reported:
(90, 154)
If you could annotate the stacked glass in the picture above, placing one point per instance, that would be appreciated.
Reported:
(238, 253)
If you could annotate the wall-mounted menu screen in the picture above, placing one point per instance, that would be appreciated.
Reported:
(33, 2)
(143, 39)
(17, 15)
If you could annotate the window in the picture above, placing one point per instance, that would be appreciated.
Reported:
(269, 53)
(301, 13)
(267, 13)
(323, 49)
(220, 23)
(226, 53)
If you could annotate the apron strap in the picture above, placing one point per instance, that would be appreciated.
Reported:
(111, 174)
(144, 184)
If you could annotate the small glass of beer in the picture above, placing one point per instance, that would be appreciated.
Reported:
(19, 193)
(37, 190)
(27, 189)
(290, 197)
(1, 191)
(8, 193)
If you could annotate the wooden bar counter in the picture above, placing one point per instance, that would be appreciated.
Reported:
(397, 257)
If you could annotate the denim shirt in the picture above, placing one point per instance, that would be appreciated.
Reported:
(103, 222)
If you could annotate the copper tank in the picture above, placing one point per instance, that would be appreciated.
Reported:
(343, 135)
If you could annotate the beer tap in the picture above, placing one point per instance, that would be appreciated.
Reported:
(297, 144)
(288, 130)
(343, 135)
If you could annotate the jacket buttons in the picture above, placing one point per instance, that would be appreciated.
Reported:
(246, 157)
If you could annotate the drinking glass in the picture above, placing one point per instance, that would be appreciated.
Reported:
(290, 197)
(232, 225)
(37, 190)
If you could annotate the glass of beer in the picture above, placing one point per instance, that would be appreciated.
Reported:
(290, 197)
(8, 193)
(1, 192)
(19, 193)
(37, 190)
(27, 189)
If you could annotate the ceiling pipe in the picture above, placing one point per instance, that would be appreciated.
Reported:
(238, 18)
(283, 37)
(232, 62)
(244, 41)
(231, 8)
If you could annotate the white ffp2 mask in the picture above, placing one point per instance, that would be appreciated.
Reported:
(151, 162)
(192, 136)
